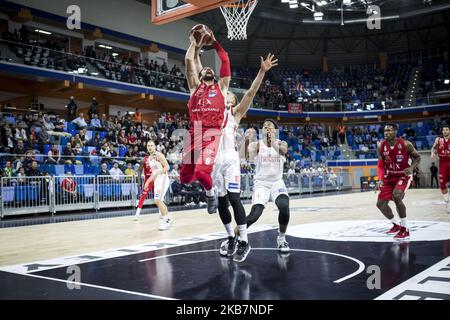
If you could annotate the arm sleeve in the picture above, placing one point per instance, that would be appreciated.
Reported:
(380, 170)
(225, 69)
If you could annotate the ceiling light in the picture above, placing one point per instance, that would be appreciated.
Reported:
(42, 31)
(347, 2)
(446, 81)
(318, 16)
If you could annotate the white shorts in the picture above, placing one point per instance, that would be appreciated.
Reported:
(226, 174)
(161, 186)
(263, 191)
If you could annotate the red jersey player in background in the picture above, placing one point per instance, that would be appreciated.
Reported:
(155, 169)
(395, 174)
(206, 113)
(442, 147)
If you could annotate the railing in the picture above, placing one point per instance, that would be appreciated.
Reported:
(52, 194)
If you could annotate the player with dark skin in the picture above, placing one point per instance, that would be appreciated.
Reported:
(395, 192)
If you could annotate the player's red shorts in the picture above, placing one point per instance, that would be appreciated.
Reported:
(444, 174)
(199, 153)
(391, 184)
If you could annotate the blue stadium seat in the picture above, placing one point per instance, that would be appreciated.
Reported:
(59, 170)
(79, 169)
(64, 141)
(88, 190)
(105, 190)
(122, 152)
(8, 194)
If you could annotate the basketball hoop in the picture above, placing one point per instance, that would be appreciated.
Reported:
(236, 15)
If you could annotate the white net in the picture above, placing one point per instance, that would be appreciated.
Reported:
(236, 15)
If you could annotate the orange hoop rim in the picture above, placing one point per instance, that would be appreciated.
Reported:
(235, 5)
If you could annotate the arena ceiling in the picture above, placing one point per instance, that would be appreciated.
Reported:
(342, 35)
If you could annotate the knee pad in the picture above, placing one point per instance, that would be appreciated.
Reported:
(282, 202)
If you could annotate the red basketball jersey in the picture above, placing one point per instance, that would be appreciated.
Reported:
(444, 150)
(395, 158)
(207, 105)
(147, 166)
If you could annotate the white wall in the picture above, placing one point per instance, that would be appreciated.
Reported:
(160, 57)
(126, 16)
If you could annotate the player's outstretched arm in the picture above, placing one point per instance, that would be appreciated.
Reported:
(225, 67)
(191, 74)
(415, 158)
(244, 105)
(282, 147)
(434, 148)
(198, 61)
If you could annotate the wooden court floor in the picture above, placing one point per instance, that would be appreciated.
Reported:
(41, 242)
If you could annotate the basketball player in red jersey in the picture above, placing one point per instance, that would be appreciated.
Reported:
(206, 113)
(155, 168)
(395, 174)
(442, 147)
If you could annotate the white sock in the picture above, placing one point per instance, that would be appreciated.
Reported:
(210, 193)
(446, 197)
(281, 235)
(393, 220)
(138, 211)
(229, 229)
(403, 222)
(243, 232)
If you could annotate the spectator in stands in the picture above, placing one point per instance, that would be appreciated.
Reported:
(104, 170)
(53, 155)
(115, 172)
(95, 122)
(68, 153)
(105, 152)
(44, 137)
(60, 124)
(129, 172)
(69, 188)
(21, 133)
(21, 180)
(49, 126)
(8, 170)
(174, 173)
(105, 122)
(71, 109)
(33, 170)
(6, 139)
(95, 141)
(80, 122)
(33, 136)
(84, 137)
(434, 174)
(93, 108)
(21, 148)
(28, 160)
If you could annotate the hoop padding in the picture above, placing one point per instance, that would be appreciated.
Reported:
(236, 16)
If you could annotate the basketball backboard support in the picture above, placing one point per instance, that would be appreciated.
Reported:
(165, 11)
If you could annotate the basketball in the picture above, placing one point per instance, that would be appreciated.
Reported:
(202, 34)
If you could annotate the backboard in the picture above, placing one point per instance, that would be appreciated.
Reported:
(165, 11)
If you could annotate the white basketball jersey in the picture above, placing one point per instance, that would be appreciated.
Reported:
(153, 164)
(269, 163)
(228, 140)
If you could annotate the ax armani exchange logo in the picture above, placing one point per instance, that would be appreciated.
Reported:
(369, 231)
